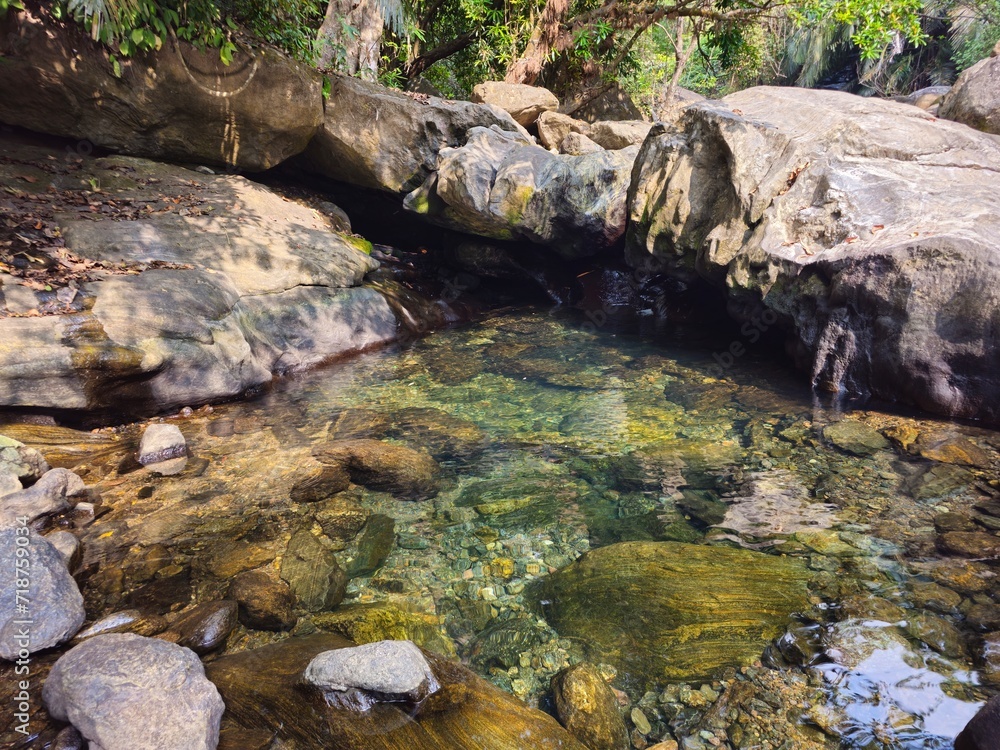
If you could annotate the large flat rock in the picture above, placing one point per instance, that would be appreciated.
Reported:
(200, 288)
(866, 230)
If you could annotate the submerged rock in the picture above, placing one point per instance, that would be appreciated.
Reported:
(263, 602)
(588, 708)
(360, 676)
(367, 623)
(500, 185)
(855, 437)
(403, 471)
(206, 627)
(695, 609)
(122, 691)
(48, 608)
(310, 567)
(825, 210)
(466, 713)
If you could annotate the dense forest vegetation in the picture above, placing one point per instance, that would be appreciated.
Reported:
(574, 46)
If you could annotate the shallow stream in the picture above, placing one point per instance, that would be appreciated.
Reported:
(554, 438)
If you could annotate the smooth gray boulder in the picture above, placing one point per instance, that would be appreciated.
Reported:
(215, 295)
(502, 186)
(865, 230)
(974, 100)
(123, 691)
(522, 102)
(577, 144)
(56, 491)
(177, 103)
(384, 139)
(384, 671)
(40, 605)
(161, 442)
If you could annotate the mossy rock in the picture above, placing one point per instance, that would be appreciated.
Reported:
(368, 623)
(667, 611)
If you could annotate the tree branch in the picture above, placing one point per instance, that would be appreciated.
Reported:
(418, 65)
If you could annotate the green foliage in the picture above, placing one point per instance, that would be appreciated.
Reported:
(874, 24)
(289, 25)
(8, 5)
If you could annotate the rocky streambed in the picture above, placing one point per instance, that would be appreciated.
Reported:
(590, 522)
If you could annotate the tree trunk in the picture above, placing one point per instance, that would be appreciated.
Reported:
(544, 38)
(351, 37)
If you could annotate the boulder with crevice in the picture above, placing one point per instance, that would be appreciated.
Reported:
(500, 185)
(865, 229)
(379, 138)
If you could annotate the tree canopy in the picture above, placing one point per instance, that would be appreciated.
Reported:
(572, 45)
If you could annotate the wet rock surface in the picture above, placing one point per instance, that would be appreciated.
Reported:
(587, 707)
(467, 713)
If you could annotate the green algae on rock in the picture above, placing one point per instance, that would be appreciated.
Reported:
(670, 611)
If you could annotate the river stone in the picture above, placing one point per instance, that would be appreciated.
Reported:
(983, 617)
(855, 437)
(123, 621)
(444, 435)
(26, 464)
(588, 708)
(56, 491)
(938, 633)
(655, 593)
(384, 671)
(206, 627)
(820, 210)
(614, 135)
(934, 596)
(375, 137)
(522, 102)
(952, 449)
(376, 543)
(989, 658)
(367, 623)
(319, 482)
(974, 544)
(407, 473)
(53, 600)
(311, 570)
(467, 713)
(177, 103)
(502, 186)
(974, 100)
(341, 519)
(161, 442)
(9, 483)
(123, 691)
(264, 603)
